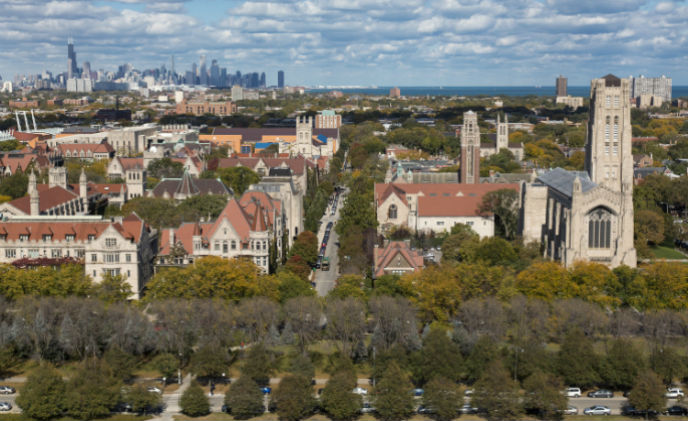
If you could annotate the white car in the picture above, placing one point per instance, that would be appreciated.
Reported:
(154, 389)
(7, 390)
(571, 410)
(468, 392)
(598, 410)
(573, 392)
(674, 393)
(359, 391)
(5, 406)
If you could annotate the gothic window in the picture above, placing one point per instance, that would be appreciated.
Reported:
(616, 128)
(606, 128)
(616, 100)
(392, 212)
(599, 229)
(608, 101)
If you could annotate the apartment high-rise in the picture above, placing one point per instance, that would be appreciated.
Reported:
(561, 85)
(280, 79)
(659, 87)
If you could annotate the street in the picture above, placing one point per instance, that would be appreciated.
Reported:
(325, 279)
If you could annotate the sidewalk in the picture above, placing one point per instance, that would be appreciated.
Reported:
(171, 401)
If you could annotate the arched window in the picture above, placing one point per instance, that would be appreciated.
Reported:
(392, 212)
(599, 228)
(616, 128)
(606, 128)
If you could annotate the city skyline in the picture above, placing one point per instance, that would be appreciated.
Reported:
(362, 42)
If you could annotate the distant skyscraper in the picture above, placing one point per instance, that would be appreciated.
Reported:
(561, 85)
(280, 79)
(87, 70)
(262, 80)
(72, 69)
(659, 87)
(203, 72)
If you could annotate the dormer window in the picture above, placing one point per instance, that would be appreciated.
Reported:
(70, 237)
(47, 237)
(23, 237)
(91, 237)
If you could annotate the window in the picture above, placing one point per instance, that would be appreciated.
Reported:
(469, 223)
(94, 273)
(606, 128)
(110, 242)
(23, 237)
(616, 100)
(128, 258)
(10, 253)
(440, 223)
(225, 247)
(217, 246)
(91, 237)
(94, 258)
(70, 237)
(56, 253)
(392, 212)
(608, 101)
(33, 253)
(616, 128)
(80, 253)
(599, 228)
(616, 148)
(112, 258)
(47, 237)
(606, 148)
(234, 244)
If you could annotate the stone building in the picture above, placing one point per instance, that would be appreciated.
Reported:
(500, 140)
(470, 149)
(589, 215)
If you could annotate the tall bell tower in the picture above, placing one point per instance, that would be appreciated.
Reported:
(470, 149)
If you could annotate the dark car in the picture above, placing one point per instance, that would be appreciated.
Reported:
(630, 411)
(601, 393)
(679, 410)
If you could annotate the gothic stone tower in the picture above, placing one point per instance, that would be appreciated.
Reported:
(502, 133)
(470, 149)
(609, 162)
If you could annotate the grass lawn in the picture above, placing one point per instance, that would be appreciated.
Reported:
(664, 252)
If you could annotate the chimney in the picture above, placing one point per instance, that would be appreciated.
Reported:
(171, 240)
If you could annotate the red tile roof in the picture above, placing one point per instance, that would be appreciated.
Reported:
(297, 165)
(399, 250)
(49, 197)
(81, 230)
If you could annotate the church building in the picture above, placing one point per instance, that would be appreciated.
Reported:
(588, 215)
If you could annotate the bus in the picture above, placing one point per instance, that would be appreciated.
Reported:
(325, 263)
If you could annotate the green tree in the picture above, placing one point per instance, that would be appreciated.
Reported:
(497, 393)
(392, 396)
(338, 400)
(92, 392)
(120, 362)
(648, 393)
(194, 402)
(503, 204)
(667, 363)
(484, 352)
(244, 399)
(443, 398)
(113, 289)
(622, 365)
(10, 145)
(15, 186)
(649, 226)
(302, 365)
(210, 361)
(291, 285)
(543, 396)
(306, 246)
(8, 359)
(166, 364)
(294, 398)
(439, 357)
(43, 396)
(459, 243)
(142, 400)
(238, 178)
(258, 365)
(576, 360)
(165, 168)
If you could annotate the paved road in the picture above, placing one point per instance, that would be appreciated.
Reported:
(325, 280)
(10, 398)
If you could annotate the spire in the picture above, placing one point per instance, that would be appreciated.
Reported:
(83, 185)
(34, 199)
(186, 187)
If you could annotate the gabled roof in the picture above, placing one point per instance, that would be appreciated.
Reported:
(182, 235)
(297, 164)
(397, 251)
(48, 197)
(131, 228)
(93, 147)
(131, 163)
(235, 215)
(189, 186)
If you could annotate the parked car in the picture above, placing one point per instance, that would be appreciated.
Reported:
(674, 393)
(601, 393)
(573, 392)
(425, 410)
(7, 390)
(5, 406)
(154, 389)
(266, 390)
(418, 392)
(570, 410)
(467, 408)
(679, 410)
(468, 392)
(631, 411)
(597, 410)
(359, 391)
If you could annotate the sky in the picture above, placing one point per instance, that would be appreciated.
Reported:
(358, 42)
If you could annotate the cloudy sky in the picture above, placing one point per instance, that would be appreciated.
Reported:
(358, 42)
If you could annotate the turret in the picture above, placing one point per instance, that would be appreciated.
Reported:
(33, 195)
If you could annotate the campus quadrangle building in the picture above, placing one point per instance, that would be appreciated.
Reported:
(588, 215)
